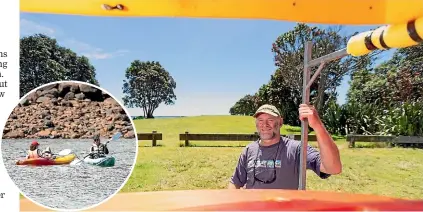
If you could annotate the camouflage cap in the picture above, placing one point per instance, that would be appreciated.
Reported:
(269, 109)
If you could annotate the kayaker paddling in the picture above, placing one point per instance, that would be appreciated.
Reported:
(98, 149)
(33, 151)
(98, 155)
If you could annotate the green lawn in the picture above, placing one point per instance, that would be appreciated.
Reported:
(393, 172)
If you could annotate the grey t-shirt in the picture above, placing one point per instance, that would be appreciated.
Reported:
(278, 162)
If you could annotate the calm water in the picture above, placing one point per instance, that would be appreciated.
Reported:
(65, 186)
(159, 117)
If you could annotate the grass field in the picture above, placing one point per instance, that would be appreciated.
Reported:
(371, 169)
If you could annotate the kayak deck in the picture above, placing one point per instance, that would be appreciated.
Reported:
(106, 161)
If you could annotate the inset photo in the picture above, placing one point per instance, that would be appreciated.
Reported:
(69, 145)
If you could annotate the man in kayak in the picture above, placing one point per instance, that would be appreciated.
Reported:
(34, 152)
(272, 162)
(98, 149)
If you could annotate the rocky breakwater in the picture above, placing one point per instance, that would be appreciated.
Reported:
(68, 111)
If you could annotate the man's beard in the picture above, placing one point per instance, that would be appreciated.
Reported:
(266, 138)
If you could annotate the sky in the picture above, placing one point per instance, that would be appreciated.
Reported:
(214, 62)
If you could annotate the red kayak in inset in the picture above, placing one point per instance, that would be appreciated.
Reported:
(47, 162)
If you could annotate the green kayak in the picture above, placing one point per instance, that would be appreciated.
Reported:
(105, 161)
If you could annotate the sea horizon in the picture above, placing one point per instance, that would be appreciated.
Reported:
(163, 117)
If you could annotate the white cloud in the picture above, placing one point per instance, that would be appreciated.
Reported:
(90, 51)
(29, 28)
(80, 46)
(104, 55)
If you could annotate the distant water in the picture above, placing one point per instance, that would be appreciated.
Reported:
(157, 117)
(64, 186)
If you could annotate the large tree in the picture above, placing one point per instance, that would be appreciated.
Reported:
(289, 57)
(42, 61)
(148, 85)
(285, 86)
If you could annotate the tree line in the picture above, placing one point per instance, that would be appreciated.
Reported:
(43, 60)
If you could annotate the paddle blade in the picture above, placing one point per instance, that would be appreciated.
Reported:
(65, 152)
(116, 136)
(75, 162)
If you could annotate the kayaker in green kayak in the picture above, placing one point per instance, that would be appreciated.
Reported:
(33, 151)
(98, 149)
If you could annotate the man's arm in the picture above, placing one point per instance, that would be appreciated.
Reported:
(329, 153)
(314, 161)
(106, 150)
(239, 177)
